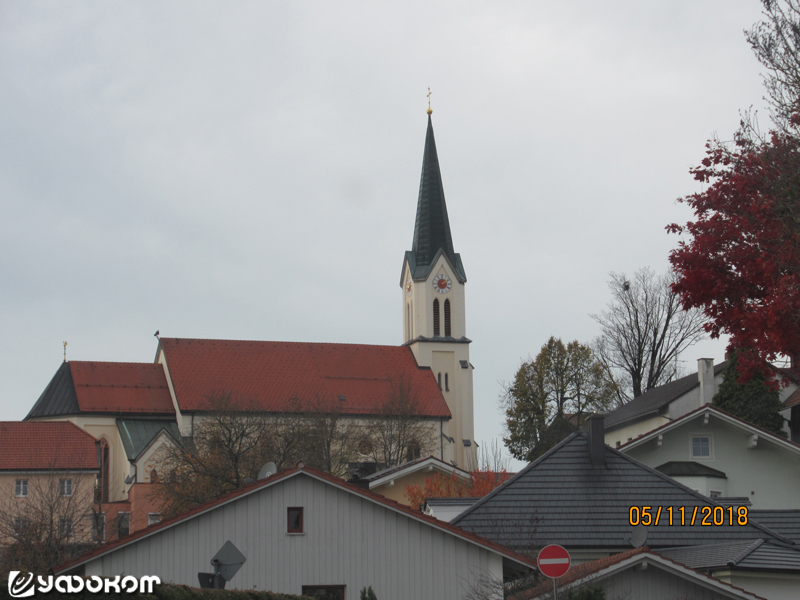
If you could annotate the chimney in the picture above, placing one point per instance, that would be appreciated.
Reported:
(597, 441)
(708, 385)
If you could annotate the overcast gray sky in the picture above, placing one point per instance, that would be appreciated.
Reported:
(250, 170)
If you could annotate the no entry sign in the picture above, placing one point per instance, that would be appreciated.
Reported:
(553, 561)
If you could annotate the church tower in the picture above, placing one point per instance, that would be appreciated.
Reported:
(434, 323)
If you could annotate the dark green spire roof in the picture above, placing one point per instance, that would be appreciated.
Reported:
(432, 227)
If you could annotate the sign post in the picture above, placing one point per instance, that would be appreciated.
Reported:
(553, 562)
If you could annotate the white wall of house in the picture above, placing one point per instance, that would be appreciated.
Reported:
(767, 585)
(767, 474)
(652, 583)
(626, 433)
(348, 540)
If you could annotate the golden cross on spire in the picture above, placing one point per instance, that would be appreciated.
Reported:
(65, 351)
(429, 111)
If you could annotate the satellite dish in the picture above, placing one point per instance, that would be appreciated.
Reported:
(638, 536)
(268, 469)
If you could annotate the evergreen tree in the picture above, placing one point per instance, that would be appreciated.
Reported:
(755, 401)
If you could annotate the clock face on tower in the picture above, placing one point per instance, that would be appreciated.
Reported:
(409, 288)
(442, 284)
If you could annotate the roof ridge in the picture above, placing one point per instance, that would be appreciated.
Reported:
(748, 550)
(522, 471)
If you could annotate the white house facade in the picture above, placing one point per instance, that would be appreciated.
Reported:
(346, 538)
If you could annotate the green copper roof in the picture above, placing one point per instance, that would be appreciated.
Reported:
(136, 434)
(432, 227)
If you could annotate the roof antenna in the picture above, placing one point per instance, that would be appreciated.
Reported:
(65, 351)
(429, 111)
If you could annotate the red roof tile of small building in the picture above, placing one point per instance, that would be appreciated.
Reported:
(270, 375)
(793, 399)
(121, 387)
(48, 445)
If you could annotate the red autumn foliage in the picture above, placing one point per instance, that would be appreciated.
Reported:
(439, 486)
(741, 265)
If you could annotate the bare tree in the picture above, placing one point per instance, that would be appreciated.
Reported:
(46, 522)
(644, 330)
(400, 433)
(228, 446)
(776, 44)
(235, 439)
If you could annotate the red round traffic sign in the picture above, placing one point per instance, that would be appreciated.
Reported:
(553, 561)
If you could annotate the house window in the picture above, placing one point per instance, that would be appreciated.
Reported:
(413, 450)
(436, 317)
(447, 330)
(294, 519)
(153, 475)
(123, 524)
(20, 525)
(21, 488)
(99, 527)
(65, 487)
(153, 518)
(701, 447)
(65, 527)
(714, 494)
(324, 592)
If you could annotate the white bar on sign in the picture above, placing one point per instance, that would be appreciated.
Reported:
(554, 561)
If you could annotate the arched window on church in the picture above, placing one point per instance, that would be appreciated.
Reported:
(436, 317)
(446, 383)
(408, 322)
(447, 330)
(439, 379)
(413, 450)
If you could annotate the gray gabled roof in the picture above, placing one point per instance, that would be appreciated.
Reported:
(562, 499)
(681, 468)
(655, 399)
(58, 398)
(785, 522)
(136, 434)
(431, 227)
(754, 555)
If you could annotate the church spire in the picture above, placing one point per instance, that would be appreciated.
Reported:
(432, 227)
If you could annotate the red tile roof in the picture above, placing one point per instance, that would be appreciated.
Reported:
(340, 483)
(271, 374)
(35, 446)
(121, 387)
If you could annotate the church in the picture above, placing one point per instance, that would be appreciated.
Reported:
(133, 408)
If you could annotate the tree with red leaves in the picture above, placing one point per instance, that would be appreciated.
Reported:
(741, 265)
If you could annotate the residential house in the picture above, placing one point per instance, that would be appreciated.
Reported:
(48, 478)
(393, 481)
(593, 500)
(641, 574)
(722, 456)
(670, 401)
(302, 530)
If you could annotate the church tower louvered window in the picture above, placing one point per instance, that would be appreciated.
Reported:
(447, 330)
(436, 318)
